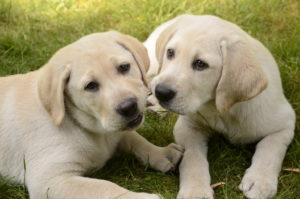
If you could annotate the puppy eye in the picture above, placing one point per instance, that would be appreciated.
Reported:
(124, 68)
(199, 65)
(92, 86)
(170, 53)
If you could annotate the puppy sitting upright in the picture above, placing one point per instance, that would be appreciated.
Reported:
(72, 114)
(218, 78)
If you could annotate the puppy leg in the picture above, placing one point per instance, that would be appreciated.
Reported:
(260, 180)
(77, 187)
(159, 158)
(194, 171)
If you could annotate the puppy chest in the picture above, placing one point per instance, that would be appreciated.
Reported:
(236, 129)
(101, 151)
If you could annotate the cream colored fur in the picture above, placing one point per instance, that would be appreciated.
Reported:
(239, 95)
(52, 130)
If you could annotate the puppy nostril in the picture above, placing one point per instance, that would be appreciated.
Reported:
(164, 93)
(128, 108)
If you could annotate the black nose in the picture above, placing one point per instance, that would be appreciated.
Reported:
(164, 93)
(128, 107)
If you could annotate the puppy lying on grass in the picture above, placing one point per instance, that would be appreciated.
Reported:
(72, 115)
(220, 79)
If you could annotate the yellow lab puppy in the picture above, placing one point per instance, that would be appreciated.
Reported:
(71, 116)
(219, 78)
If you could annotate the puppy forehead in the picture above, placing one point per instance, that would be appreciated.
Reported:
(100, 46)
(194, 42)
(95, 47)
(206, 28)
(212, 24)
(104, 54)
(101, 62)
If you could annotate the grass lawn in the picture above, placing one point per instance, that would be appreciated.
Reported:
(32, 30)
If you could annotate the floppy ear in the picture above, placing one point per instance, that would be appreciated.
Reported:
(242, 75)
(162, 41)
(51, 90)
(137, 49)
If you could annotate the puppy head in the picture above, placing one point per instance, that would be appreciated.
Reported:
(204, 58)
(98, 81)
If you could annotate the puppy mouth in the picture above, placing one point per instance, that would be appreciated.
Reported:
(136, 121)
(168, 106)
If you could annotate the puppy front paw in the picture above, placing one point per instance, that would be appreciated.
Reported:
(196, 193)
(167, 158)
(258, 185)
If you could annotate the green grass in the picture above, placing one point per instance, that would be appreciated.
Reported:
(31, 31)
